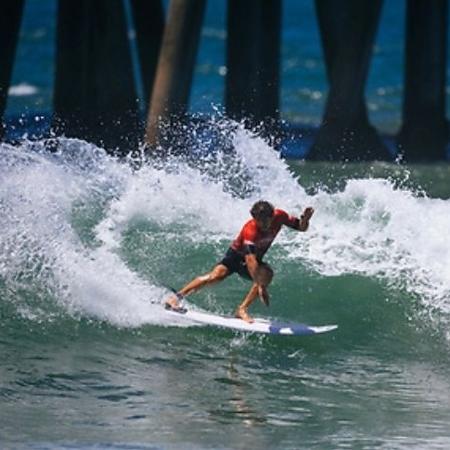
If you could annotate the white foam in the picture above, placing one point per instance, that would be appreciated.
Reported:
(370, 228)
(39, 243)
(374, 229)
(22, 90)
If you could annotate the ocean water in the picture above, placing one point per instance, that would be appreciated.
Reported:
(303, 80)
(89, 246)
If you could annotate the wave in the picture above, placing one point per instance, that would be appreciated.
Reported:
(66, 217)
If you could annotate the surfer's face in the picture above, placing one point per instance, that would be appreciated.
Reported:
(264, 222)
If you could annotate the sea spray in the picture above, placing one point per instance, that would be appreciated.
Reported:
(377, 230)
(65, 216)
(40, 247)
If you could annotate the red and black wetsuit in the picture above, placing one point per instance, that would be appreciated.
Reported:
(251, 239)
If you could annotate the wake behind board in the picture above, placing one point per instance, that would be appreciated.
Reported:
(258, 326)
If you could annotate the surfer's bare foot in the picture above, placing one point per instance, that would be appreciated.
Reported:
(241, 313)
(173, 303)
(264, 295)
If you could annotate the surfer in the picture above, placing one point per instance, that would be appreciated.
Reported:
(245, 256)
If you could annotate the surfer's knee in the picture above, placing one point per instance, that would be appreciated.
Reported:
(205, 278)
(217, 274)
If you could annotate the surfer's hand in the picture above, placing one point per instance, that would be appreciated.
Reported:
(307, 213)
(263, 295)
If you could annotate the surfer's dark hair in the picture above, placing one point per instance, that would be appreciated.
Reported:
(262, 209)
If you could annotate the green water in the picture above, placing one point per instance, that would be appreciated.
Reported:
(89, 361)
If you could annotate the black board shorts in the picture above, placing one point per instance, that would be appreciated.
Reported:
(235, 263)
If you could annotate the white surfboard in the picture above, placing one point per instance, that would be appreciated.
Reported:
(258, 326)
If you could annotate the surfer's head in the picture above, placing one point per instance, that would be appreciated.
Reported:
(262, 212)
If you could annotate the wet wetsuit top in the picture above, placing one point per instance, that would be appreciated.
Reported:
(252, 239)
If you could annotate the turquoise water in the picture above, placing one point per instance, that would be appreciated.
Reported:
(89, 360)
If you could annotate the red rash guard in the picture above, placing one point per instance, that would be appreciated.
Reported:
(251, 236)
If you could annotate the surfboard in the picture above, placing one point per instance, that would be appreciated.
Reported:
(259, 325)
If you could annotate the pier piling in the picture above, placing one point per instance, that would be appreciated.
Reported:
(148, 17)
(253, 60)
(175, 68)
(347, 31)
(424, 134)
(94, 95)
(10, 19)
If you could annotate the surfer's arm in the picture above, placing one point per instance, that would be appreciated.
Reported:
(252, 265)
(298, 223)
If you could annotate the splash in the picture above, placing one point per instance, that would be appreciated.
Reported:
(65, 216)
(376, 229)
(42, 255)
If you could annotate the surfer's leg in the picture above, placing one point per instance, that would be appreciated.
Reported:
(263, 277)
(217, 274)
(242, 310)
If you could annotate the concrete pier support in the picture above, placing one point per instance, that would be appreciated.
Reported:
(424, 134)
(10, 19)
(94, 95)
(148, 17)
(176, 62)
(253, 60)
(348, 31)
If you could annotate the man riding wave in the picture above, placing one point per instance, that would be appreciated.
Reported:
(245, 256)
